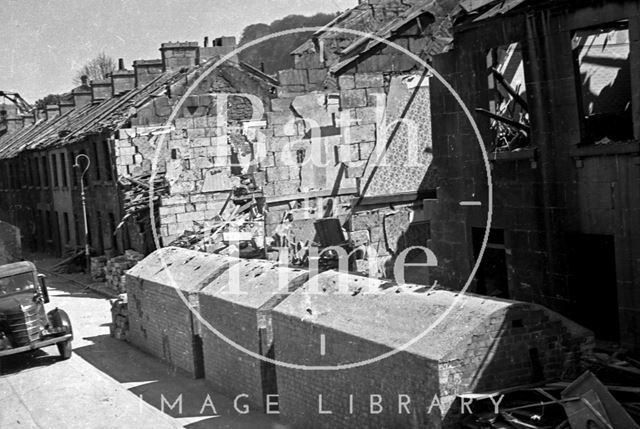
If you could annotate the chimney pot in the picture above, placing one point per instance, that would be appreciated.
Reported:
(206, 41)
(120, 64)
(84, 79)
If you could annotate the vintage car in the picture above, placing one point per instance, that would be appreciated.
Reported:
(24, 324)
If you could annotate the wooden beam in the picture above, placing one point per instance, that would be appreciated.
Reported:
(506, 85)
(310, 195)
(405, 197)
(510, 122)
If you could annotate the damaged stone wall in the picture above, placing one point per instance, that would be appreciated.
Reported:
(324, 147)
(550, 197)
(206, 151)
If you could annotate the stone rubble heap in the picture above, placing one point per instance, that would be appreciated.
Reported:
(98, 265)
(119, 318)
(115, 268)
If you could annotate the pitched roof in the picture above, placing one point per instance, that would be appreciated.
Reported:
(383, 19)
(438, 32)
(109, 114)
(365, 17)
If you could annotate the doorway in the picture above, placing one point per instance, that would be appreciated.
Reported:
(592, 283)
(492, 278)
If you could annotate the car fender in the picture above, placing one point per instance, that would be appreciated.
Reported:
(59, 318)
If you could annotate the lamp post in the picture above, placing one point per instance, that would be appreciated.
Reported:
(84, 207)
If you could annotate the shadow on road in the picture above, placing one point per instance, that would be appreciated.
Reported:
(165, 388)
(23, 362)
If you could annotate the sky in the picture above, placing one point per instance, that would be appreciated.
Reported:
(44, 42)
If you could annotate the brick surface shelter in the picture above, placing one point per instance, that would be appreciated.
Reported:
(481, 344)
(160, 321)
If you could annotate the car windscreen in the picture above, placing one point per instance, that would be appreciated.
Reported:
(16, 283)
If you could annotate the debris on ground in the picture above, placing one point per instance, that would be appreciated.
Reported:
(585, 402)
(115, 268)
(136, 201)
(73, 261)
(98, 265)
(239, 233)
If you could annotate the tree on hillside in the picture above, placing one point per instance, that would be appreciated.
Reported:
(95, 69)
(275, 53)
(49, 99)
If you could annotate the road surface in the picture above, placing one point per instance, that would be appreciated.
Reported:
(107, 383)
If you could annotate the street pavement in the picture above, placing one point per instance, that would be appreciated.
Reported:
(107, 383)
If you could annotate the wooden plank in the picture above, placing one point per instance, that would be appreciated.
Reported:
(310, 195)
(405, 197)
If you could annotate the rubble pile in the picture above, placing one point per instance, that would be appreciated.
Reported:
(240, 232)
(609, 400)
(136, 198)
(119, 318)
(116, 268)
(98, 265)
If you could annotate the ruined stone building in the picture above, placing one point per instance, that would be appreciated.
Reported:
(354, 103)
(116, 123)
(563, 154)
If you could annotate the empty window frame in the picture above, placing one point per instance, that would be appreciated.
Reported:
(603, 74)
(63, 169)
(107, 161)
(96, 161)
(45, 171)
(54, 169)
(67, 230)
(508, 107)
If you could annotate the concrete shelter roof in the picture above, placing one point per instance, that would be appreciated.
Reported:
(395, 315)
(188, 270)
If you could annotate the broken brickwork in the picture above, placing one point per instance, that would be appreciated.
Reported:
(356, 129)
(206, 149)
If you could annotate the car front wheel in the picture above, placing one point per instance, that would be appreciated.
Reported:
(65, 349)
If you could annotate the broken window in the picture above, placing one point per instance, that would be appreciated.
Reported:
(601, 57)
(508, 108)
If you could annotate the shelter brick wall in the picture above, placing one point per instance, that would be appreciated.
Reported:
(246, 320)
(299, 342)
(485, 345)
(160, 323)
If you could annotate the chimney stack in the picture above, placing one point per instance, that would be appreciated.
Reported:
(82, 93)
(122, 80)
(100, 89)
(66, 105)
(146, 70)
(219, 47)
(177, 55)
(51, 111)
(29, 119)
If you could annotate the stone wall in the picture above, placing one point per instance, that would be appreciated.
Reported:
(547, 193)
